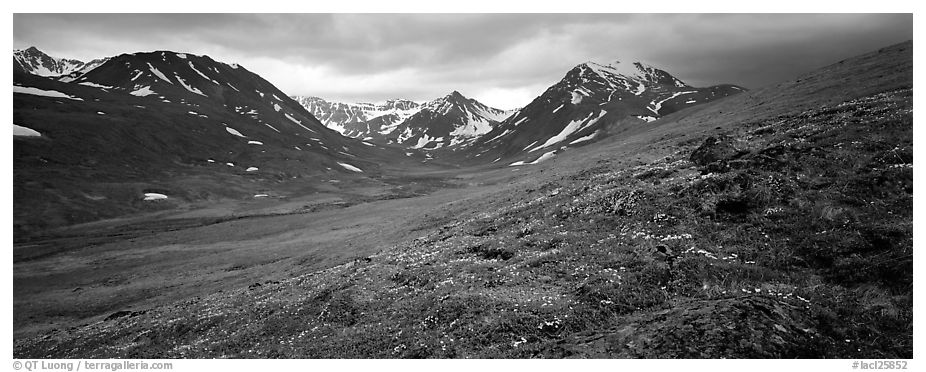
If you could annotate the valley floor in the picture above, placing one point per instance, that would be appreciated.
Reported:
(73, 275)
(777, 236)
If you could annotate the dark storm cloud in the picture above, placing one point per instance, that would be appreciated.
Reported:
(506, 58)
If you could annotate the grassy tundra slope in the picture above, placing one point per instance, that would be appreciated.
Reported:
(772, 224)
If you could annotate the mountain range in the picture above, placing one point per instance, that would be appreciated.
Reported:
(34, 61)
(592, 101)
(350, 119)
(140, 116)
(448, 121)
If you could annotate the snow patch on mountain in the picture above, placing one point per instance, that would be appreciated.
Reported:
(298, 122)
(577, 96)
(188, 87)
(202, 74)
(529, 146)
(656, 106)
(350, 167)
(472, 128)
(158, 73)
(546, 156)
(500, 135)
(424, 140)
(583, 139)
(21, 131)
(42, 92)
(574, 126)
(143, 91)
(149, 196)
(234, 131)
(95, 85)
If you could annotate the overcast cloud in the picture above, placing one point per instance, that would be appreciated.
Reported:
(504, 60)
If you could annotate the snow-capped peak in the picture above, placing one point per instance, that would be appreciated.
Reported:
(450, 120)
(637, 71)
(34, 61)
(628, 69)
(447, 103)
(343, 117)
(399, 104)
(457, 101)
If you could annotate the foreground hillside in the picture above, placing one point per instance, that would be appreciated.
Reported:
(780, 229)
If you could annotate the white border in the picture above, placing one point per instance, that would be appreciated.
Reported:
(474, 6)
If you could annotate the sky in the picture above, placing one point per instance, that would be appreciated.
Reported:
(503, 60)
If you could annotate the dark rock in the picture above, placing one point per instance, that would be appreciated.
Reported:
(734, 206)
(491, 253)
(123, 314)
(664, 250)
(118, 314)
(714, 149)
(626, 203)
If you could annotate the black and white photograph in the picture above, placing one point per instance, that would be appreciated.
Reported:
(461, 185)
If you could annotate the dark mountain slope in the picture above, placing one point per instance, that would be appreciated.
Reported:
(181, 125)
